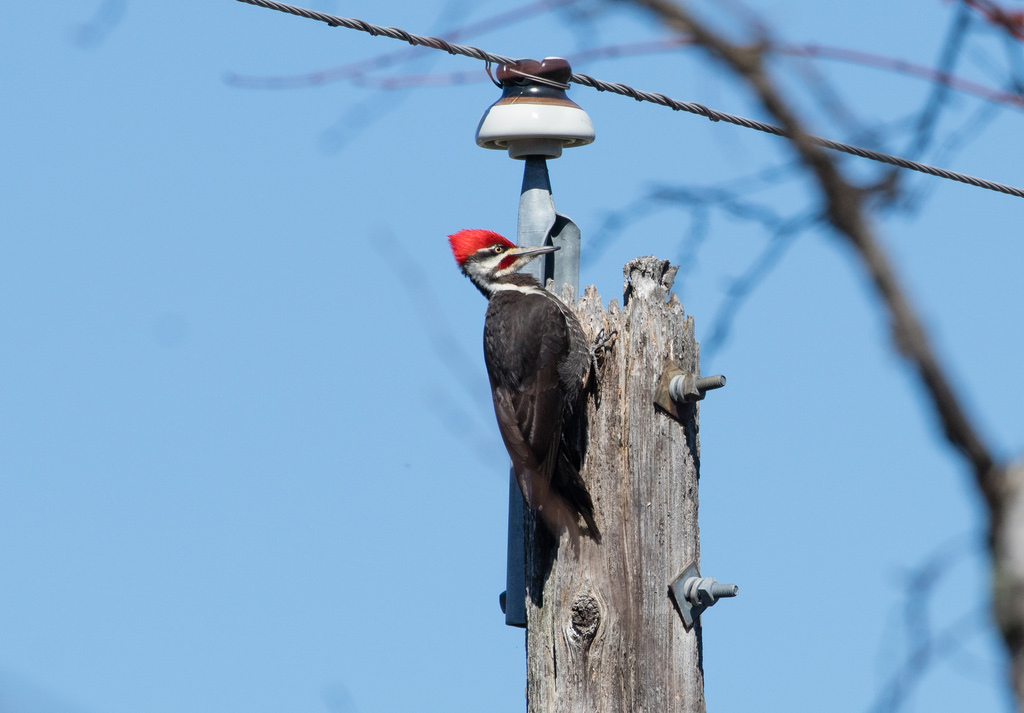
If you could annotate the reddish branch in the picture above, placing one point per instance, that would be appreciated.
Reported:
(1010, 20)
(900, 66)
(358, 72)
(358, 69)
(813, 51)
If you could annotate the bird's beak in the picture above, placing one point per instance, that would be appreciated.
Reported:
(531, 251)
(525, 255)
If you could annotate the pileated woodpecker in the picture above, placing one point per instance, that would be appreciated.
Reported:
(538, 360)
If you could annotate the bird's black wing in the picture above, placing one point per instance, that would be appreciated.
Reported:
(528, 393)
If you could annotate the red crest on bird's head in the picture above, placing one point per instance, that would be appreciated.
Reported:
(466, 242)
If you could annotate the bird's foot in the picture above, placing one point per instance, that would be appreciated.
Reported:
(604, 341)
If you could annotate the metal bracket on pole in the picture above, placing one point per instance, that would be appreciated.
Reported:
(677, 388)
(563, 266)
(539, 224)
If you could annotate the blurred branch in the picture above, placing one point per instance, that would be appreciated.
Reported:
(926, 646)
(96, 29)
(781, 239)
(782, 231)
(370, 110)
(925, 652)
(730, 198)
(954, 141)
(357, 70)
(911, 69)
(1000, 485)
(1010, 20)
(843, 207)
(443, 341)
(1015, 61)
(440, 336)
(940, 90)
(615, 221)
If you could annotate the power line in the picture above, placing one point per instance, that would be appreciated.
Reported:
(627, 91)
(356, 70)
(376, 30)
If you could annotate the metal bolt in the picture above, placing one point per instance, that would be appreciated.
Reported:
(691, 387)
(694, 593)
(707, 383)
(707, 590)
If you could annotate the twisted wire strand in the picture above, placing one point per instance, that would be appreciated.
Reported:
(713, 115)
(638, 95)
(377, 30)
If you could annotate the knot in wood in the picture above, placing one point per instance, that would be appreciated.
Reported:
(586, 616)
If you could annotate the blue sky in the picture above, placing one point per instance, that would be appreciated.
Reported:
(248, 460)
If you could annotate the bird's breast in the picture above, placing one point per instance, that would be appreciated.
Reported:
(523, 334)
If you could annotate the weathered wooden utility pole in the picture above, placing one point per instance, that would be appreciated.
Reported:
(611, 626)
(603, 631)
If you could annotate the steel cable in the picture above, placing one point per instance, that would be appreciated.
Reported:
(638, 95)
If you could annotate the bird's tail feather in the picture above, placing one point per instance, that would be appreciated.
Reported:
(561, 502)
(573, 491)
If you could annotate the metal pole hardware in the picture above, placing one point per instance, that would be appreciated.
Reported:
(694, 594)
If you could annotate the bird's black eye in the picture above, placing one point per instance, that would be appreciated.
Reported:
(499, 249)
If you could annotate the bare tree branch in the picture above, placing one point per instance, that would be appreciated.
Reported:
(91, 33)
(1009, 20)
(781, 239)
(939, 95)
(999, 484)
(843, 207)
(927, 644)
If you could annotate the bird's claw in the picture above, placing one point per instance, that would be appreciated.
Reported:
(604, 341)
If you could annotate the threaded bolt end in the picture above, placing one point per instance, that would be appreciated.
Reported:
(718, 591)
(707, 383)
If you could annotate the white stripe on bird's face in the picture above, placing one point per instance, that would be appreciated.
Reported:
(487, 266)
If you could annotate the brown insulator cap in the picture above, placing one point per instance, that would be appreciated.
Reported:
(553, 69)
